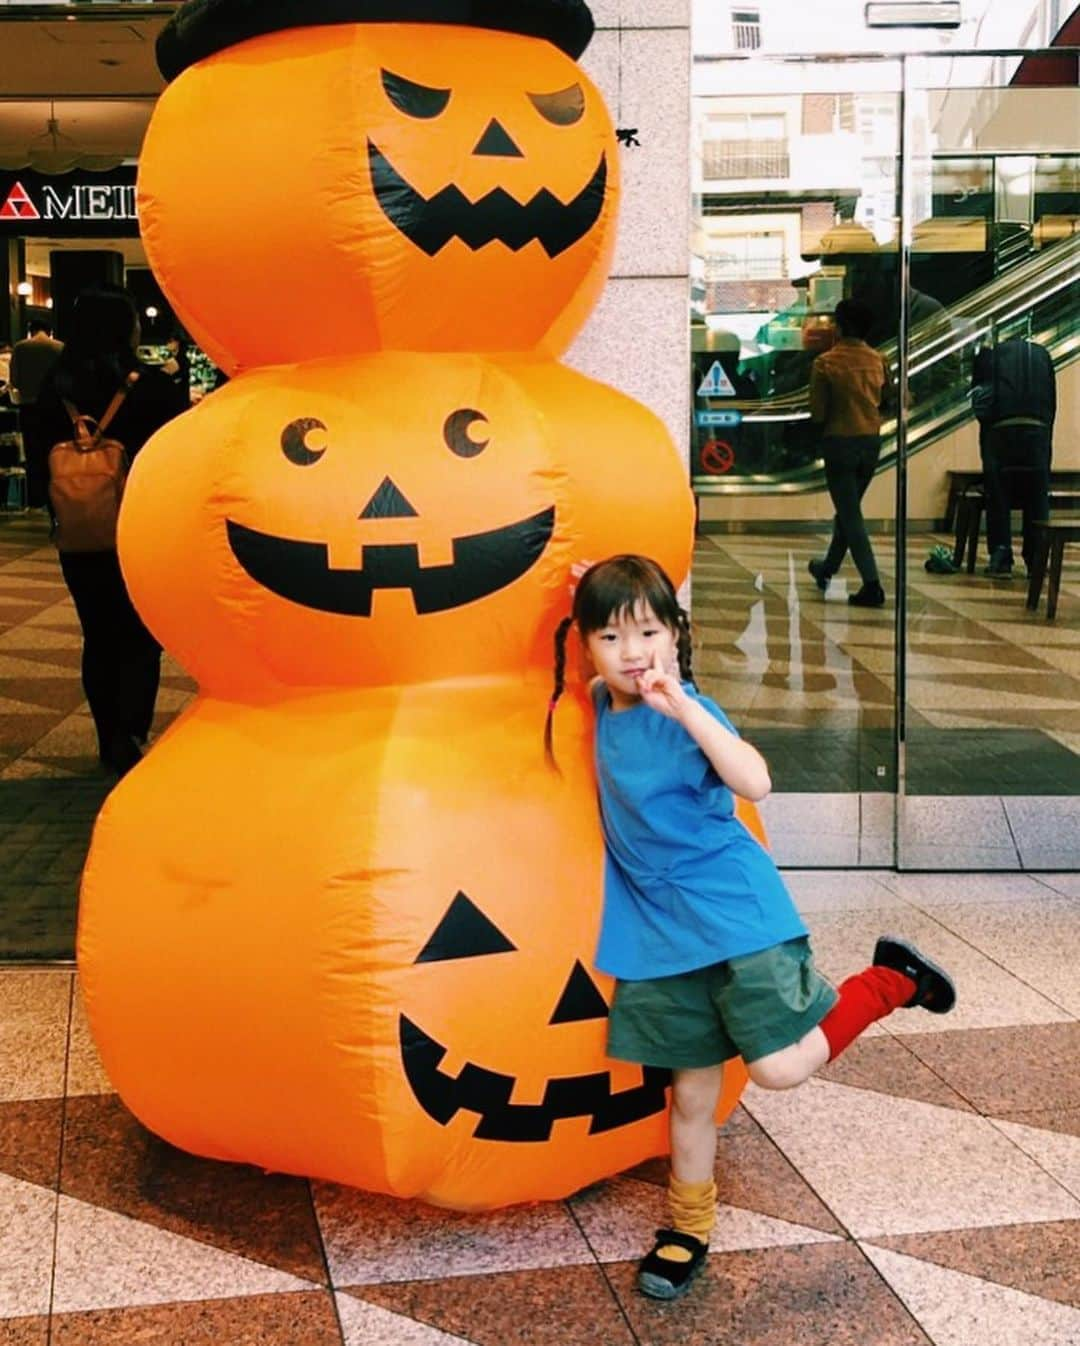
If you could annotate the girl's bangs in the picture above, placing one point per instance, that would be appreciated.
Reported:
(615, 589)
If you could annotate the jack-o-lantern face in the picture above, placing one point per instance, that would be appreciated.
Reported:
(389, 519)
(482, 564)
(465, 932)
(402, 186)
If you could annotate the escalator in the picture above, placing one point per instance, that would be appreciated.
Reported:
(758, 438)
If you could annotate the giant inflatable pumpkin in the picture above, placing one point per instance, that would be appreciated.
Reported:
(340, 921)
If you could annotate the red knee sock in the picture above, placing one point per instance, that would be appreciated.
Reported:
(864, 998)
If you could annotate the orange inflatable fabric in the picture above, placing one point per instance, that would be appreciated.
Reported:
(340, 921)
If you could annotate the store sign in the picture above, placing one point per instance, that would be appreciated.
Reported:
(78, 204)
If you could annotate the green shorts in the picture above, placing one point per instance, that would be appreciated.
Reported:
(749, 1006)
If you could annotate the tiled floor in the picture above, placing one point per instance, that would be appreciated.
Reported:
(924, 1189)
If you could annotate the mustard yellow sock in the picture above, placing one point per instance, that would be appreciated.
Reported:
(693, 1211)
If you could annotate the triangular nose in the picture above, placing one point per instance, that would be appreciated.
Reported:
(388, 503)
(580, 1000)
(495, 141)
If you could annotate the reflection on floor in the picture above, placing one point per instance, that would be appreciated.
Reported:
(924, 1191)
(993, 699)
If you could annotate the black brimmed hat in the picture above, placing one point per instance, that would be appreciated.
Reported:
(202, 27)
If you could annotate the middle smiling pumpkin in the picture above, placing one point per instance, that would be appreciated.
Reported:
(390, 519)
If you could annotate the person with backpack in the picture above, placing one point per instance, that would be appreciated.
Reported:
(1014, 397)
(98, 406)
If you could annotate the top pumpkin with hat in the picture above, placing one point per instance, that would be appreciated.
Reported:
(332, 177)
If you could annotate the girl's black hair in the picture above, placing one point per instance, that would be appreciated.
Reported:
(613, 589)
(98, 349)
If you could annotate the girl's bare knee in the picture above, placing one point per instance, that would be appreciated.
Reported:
(778, 1071)
(695, 1092)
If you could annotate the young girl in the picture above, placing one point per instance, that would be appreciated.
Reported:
(710, 956)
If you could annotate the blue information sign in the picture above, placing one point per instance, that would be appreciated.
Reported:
(718, 418)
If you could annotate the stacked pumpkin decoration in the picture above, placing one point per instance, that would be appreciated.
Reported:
(340, 921)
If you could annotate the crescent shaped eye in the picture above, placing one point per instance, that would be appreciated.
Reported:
(563, 108)
(415, 100)
(294, 441)
(456, 433)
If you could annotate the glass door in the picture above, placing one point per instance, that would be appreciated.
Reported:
(989, 733)
(796, 208)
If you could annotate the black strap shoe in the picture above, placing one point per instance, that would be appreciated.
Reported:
(934, 989)
(660, 1277)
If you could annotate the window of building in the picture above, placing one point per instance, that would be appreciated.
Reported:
(746, 257)
(746, 29)
(752, 145)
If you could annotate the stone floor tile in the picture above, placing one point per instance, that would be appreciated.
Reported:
(822, 1295)
(1037, 939)
(886, 1065)
(24, 1331)
(290, 1319)
(1054, 1151)
(837, 890)
(861, 1150)
(34, 1008)
(1040, 1259)
(961, 1310)
(1006, 1069)
(30, 1140)
(107, 1261)
(371, 1239)
(365, 1324)
(952, 889)
(555, 1307)
(27, 1225)
(112, 1162)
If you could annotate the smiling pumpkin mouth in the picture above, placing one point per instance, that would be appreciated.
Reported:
(432, 221)
(483, 563)
(488, 1093)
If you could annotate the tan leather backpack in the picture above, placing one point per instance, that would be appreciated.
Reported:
(86, 480)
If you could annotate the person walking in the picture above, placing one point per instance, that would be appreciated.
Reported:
(850, 390)
(1014, 396)
(121, 661)
(31, 360)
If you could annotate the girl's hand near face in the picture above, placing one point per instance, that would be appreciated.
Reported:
(663, 690)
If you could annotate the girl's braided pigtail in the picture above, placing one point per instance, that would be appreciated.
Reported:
(685, 647)
(561, 633)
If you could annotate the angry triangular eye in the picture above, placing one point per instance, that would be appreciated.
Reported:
(415, 100)
(464, 932)
(580, 1000)
(563, 108)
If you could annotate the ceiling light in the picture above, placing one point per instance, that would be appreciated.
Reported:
(913, 14)
(24, 288)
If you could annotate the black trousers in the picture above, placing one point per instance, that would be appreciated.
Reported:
(1016, 471)
(849, 469)
(121, 661)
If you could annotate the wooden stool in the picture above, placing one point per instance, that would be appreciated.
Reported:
(1054, 536)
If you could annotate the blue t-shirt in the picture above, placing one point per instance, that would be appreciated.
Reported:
(685, 884)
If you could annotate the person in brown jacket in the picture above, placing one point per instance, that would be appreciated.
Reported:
(850, 390)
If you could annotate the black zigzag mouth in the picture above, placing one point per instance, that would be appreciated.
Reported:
(483, 563)
(488, 1093)
(432, 221)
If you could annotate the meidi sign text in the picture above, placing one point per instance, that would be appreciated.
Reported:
(87, 204)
